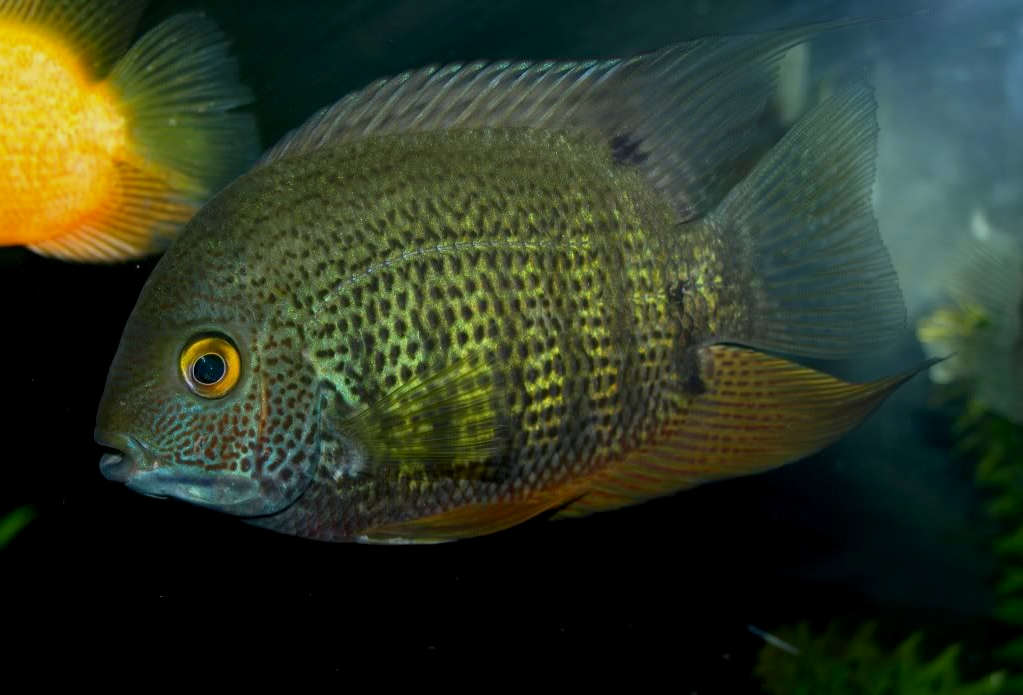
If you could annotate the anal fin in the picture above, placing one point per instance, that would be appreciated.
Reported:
(756, 412)
(477, 519)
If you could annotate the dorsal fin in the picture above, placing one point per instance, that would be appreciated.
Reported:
(803, 238)
(99, 30)
(686, 115)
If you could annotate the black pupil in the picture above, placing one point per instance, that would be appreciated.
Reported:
(209, 369)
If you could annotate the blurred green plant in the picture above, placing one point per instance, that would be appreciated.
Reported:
(12, 524)
(996, 444)
(833, 663)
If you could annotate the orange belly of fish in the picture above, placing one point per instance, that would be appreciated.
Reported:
(60, 137)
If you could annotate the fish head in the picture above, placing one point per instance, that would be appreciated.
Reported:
(209, 398)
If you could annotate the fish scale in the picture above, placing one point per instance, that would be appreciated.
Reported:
(469, 295)
(530, 294)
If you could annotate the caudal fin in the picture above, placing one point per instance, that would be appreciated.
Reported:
(823, 284)
(177, 87)
(98, 31)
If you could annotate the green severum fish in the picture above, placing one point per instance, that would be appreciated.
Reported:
(471, 294)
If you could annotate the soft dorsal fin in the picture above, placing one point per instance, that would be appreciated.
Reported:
(757, 412)
(686, 115)
(99, 30)
(803, 238)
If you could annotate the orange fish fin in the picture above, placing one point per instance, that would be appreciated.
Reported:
(138, 218)
(99, 31)
(468, 521)
(756, 412)
(178, 85)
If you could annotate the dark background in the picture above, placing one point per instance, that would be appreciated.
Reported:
(884, 524)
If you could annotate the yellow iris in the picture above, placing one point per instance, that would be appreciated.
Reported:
(210, 366)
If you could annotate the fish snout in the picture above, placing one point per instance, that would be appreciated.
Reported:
(120, 465)
(116, 467)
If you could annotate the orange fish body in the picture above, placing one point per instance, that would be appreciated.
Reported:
(90, 168)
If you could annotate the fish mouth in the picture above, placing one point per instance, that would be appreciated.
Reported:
(136, 466)
(127, 462)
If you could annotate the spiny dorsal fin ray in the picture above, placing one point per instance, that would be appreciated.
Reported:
(757, 412)
(823, 282)
(99, 30)
(686, 115)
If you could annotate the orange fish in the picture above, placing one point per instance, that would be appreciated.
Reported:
(105, 150)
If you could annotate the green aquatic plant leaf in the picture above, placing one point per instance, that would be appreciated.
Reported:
(12, 524)
(1011, 544)
(1010, 610)
(1011, 582)
(1005, 508)
(996, 445)
(1013, 653)
(1014, 685)
(833, 663)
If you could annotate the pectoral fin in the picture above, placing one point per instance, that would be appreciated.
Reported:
(447, 417)
(756, 412)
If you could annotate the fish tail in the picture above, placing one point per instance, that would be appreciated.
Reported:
(803, 232)
(176, 87)
(98, 31)
(179, 85)
(141, 214)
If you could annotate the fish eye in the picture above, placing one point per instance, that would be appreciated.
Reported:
(210, 366)
(209, 369)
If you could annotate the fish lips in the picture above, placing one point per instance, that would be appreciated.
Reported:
(135, 466)
(130, 459)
